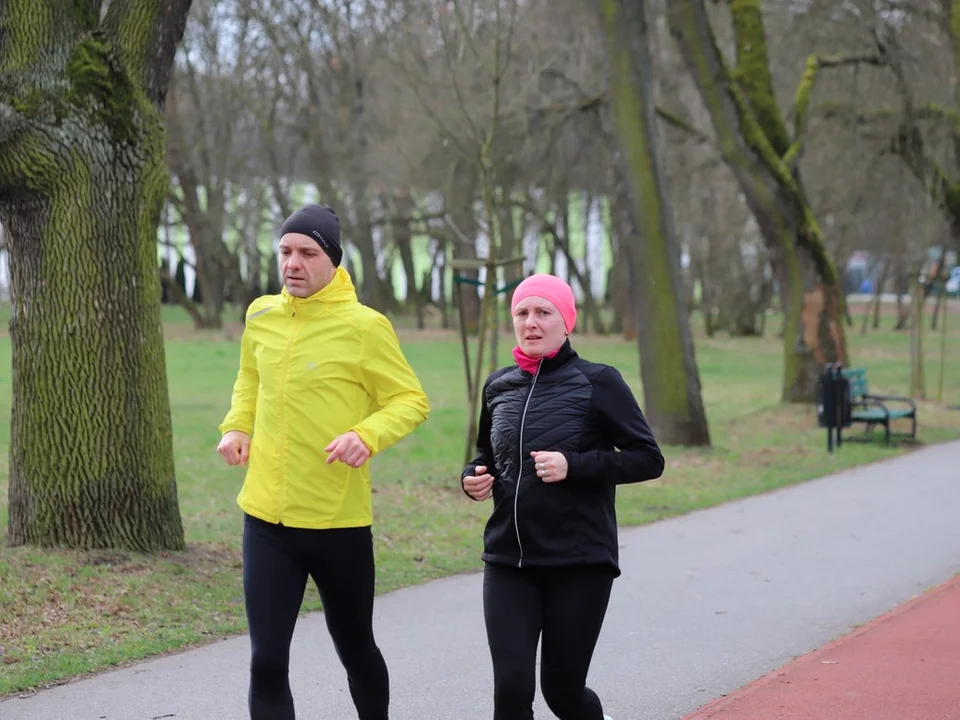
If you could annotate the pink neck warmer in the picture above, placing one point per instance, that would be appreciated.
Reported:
(530, 364)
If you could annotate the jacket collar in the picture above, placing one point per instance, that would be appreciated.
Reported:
(339, 290)
(565, 354)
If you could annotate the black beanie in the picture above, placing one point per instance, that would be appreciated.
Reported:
(320, 223)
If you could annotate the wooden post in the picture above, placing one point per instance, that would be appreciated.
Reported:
(917, 381)
(943, 342)
(473, 372)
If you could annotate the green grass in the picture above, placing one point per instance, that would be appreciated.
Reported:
(68, 613)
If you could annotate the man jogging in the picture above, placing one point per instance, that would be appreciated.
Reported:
(323, 385)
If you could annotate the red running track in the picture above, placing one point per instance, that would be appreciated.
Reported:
(904, 665)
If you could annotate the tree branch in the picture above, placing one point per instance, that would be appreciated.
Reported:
(740, 140)
(681, 124)
(908, 144)
(147, 33)
(801, 105)
(180, 297)
(854, 115)
(752, 75)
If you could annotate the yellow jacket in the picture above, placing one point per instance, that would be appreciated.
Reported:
(312, 369)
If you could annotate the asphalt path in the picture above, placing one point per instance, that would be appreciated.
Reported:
(707, 603)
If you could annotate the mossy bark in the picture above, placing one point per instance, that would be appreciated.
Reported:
(752, 72)
(754, 143)
(672, 394)
(82, 180)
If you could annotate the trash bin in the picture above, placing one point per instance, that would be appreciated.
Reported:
(833, 403)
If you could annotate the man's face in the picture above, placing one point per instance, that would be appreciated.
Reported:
(304, 266)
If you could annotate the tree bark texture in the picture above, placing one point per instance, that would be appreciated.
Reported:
(82, 181)
(403, 237)
(623, 228)
(754, 143)
(671, 383)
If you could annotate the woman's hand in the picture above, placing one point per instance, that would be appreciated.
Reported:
(550, 466)
(479, 486)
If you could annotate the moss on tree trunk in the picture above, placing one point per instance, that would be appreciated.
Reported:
(755, 145)
(82, 179)
(671, 382)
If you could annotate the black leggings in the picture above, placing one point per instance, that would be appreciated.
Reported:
(563, 607)
(276, 563)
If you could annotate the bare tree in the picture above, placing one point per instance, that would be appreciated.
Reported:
(210, 132)
(753, 140)
(470, 48)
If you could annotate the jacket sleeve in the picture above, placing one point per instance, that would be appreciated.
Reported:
(391, 383)
(484, 454)
(243, 403)
(637, 456)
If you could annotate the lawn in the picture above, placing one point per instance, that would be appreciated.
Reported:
(63, 614)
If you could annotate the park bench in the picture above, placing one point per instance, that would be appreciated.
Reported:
(873, 410)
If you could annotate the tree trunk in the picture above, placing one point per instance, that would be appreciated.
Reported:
(668, 369)
(463, 238)
(205, 230)
(586, 275)
(179, 296)
(511, 245)
(403, 237)
(624, 227)
(901, 287)
(938, 304)
(82, 181)
(371, 288)
(918, 385)
(249, 229)
(591, 311)
(873, 306)
(202, 208)
(753, 142)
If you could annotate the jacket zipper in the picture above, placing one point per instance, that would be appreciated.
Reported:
(516, 496)
(282, 404)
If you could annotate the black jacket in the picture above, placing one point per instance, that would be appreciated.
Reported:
(584, 410)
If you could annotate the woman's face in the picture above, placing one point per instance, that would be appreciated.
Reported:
(538, 326)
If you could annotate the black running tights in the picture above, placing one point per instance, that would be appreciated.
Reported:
(562, 608)
(277, 561)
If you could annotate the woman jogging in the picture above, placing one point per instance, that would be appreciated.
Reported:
(557, 434)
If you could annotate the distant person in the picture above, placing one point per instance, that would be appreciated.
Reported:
(557, 434)
(323, 385)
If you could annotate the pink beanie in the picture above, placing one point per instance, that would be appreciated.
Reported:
(551, 288)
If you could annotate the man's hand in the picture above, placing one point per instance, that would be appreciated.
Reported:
(349, 449)
(235, 447)
(550, 466)
(479, 486)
